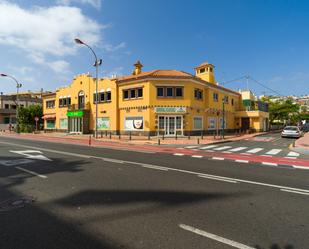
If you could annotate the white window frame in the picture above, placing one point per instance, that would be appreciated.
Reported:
(200, 117)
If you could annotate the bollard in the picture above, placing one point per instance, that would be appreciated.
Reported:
(89, 140)
(159, 141)
(214, 136)
(110, 135)
(163, 136)
(148, 135)
(202, 135)
(105, 133)
(294, 143)
(119, 135)
(198, 141)
(101, 134)
(176, 135)
(130, 136)
(189, 137)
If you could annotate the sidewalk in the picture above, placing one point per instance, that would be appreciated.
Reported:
(302, 144)
(134, 140)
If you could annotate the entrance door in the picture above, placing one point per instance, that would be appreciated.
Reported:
(170, 126)
(76, 125)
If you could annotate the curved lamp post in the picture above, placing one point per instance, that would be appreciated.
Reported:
(96, 64)
(18, 85)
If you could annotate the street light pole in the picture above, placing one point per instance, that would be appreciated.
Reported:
(18, 85)
(97, 63)
(223, 117)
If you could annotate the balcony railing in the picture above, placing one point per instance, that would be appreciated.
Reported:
(84, 106)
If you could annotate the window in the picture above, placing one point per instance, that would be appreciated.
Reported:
(101, 97)
(178, 123)
(108, 96)
(132, 94)
(50, 104)
(69, 101)
(95, 96)
(226, 99)
(140, 92)
(13, 107)
(169, 92)
(178, 91)
(50, 123)
(232, 101)
(197, 123)
(160, 92)
(202, 70)
(6, 106)
(63, 123)
(161, 123)
(134, 123)
(64, 102)
(6, 120)
(60, 102)
(126, 94)
(198, 94)
(210, 69)
(212, 121)
(215, 97)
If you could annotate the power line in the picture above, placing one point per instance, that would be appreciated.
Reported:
(265, 86)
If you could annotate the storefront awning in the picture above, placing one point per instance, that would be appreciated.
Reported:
(49, 116)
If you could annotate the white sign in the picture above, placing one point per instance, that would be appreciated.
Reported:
(212, 123)
(170, 109)
(29, 154)
(134, 123)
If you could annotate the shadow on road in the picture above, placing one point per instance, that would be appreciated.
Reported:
(276, 246)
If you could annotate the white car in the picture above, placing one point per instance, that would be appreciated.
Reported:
(291, 131)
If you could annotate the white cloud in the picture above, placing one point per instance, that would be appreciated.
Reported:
(94, 3)
(59, 66)
(42, 31)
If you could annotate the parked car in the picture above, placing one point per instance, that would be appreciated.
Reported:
(291, 131)
(305, 127)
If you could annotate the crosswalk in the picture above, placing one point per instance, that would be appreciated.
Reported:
(244, 150)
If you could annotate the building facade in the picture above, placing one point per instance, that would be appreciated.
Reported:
(165, 102)
(8, 107)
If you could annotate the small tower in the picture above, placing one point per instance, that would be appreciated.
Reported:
(205, 71)
(138, 68)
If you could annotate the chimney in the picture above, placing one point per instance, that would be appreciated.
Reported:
(138, 68)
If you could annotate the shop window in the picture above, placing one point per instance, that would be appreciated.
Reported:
(197, 123)
(160, 91)
(161, 123)
(50, 124)
(6, 120)
(215, 97)
(178, 122)
(63, 123)
(198, 94)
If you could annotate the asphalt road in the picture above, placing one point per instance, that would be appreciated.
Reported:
(102, 198)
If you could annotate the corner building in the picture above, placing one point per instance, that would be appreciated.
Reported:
(165, 102)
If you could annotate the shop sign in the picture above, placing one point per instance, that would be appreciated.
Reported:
(103, 124)
(134, 123)
(75, 113)
(170, 109)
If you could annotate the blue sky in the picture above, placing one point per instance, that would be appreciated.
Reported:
(267, 40)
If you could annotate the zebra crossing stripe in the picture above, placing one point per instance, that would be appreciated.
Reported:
(191, 147)
(223, 148)
(273, 152)
(208, 147)
(238, 149)
(293, 154)
(255, 150)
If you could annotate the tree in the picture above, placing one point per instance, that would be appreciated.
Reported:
(27, 117)
(284, 111)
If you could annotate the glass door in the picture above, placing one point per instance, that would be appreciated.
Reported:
(171, 126)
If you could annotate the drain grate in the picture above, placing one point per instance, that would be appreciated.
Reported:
(17, 202)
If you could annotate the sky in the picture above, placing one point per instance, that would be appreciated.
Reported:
(267, 40)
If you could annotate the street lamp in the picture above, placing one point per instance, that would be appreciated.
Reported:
(96, 64)
(18, 85)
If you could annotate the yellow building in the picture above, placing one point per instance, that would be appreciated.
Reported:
(158, 101)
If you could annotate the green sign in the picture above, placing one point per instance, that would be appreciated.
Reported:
(170, 109)
(103, 124)
(75, 113)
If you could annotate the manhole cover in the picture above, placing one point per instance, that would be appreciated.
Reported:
(14, 203)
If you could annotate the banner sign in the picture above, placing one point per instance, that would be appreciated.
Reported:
(170, 109)
(103, 124)
(134, 123)
(75, 113)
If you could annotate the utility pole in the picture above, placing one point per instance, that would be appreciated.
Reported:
(223, 117)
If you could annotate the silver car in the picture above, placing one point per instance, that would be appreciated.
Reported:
(291, 131)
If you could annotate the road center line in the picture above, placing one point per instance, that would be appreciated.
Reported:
(31, 172)
(216, 178)
(171, 169)
(295, 192)
(215, 237)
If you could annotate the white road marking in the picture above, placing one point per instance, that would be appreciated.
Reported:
(174, 169)
(191, 147)
(295, 192)
(154, 167)
(290, 157)
(273, 152)
(293, 154)
(112, 160)
(208, 147)
(242, 161)
(31, 172)
(238, 149)
(247, 154)
(269, 164)
(15, 162)
(215, 237)
(197, 156)
(209, 150)
(218, 179)
(29, 154)
(223, 148)
(255, 150)
(227, 152)
(178, 154)
(300, 167)
(267, 155)
(218, 158)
